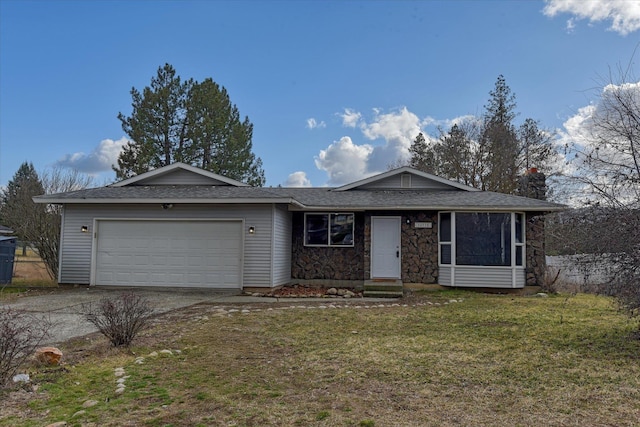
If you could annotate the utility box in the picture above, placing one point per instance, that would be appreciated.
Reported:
(7, 257)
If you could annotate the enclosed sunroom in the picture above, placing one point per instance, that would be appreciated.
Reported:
(482, 249)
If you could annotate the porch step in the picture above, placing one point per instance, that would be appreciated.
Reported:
(383, 289)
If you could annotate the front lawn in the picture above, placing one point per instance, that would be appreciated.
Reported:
(482, 360)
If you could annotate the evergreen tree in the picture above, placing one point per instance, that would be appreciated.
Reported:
(491, 155)
(221, 142)
(459, 156)
(501, 140)
(157, 125)
(17, 202)
(190, 122)
(423, 156)
(536, 147)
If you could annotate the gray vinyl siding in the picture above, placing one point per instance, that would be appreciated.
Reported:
(76, 246)
(395, 182)
(521, 277)
(444, 276)
(181, 177)
(281, 246)
(469, 276)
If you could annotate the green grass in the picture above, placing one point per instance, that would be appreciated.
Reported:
(489, 360)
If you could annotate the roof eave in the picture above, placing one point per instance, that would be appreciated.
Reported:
(433, 208)
(94, 201)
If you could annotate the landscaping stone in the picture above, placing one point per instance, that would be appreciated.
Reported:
(21, 378)
(89, 403)
(48, 355)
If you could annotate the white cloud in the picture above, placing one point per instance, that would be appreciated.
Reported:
(623, 14)
(313, 124)
(297, 179)
(398, 129)
(350, 118)
(344, 161)
(99, 160)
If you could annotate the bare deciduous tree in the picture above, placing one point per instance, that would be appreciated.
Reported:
(39, 224)
(606, 162)
(20, 334)
(119, 318)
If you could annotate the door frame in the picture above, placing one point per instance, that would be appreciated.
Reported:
(398, 248)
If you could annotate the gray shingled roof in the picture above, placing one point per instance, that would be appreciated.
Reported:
(305, 198)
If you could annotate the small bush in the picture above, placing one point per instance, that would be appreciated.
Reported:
(119, 318)
(20, 334)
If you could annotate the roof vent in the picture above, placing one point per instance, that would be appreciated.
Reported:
(405, 180)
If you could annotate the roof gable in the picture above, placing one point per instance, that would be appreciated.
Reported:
(179, 174)
(405, 178)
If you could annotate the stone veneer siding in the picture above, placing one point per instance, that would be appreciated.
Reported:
(535, 249)
(419, 251)
(327, 263)
(533, 185)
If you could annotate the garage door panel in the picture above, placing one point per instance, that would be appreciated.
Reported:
(169, 253)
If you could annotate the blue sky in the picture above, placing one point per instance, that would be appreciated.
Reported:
(336, 90)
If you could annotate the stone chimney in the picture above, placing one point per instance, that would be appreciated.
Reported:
(533, 184)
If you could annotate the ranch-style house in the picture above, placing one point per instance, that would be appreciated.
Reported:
(180, 226)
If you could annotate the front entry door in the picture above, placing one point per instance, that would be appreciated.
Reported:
(385, 247)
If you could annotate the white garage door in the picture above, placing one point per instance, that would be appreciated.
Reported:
(202, 254)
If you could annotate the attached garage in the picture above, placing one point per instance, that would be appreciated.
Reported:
(172, 253)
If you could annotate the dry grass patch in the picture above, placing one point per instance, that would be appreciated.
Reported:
(489, 360)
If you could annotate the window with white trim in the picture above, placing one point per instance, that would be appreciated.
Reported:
(328, 229)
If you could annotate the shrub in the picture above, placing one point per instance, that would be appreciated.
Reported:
(119, 318)
(20, 334)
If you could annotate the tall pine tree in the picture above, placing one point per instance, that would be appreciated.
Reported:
(190, 122)
(501, 140)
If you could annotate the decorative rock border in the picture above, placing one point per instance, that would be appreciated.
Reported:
(226, 311)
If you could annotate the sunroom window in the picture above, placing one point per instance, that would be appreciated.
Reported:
(328, 229)
(481, 238)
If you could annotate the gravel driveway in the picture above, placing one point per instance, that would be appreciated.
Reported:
(62, 304)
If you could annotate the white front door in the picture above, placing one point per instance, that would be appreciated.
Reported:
(385, 247)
